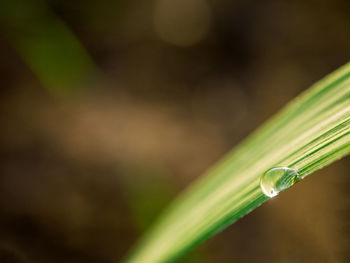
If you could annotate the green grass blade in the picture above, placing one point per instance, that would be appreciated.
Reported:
(311, 132)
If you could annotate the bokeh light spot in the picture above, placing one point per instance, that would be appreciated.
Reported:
(182, 22)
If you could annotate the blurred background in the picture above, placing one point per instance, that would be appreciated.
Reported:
(109, 109)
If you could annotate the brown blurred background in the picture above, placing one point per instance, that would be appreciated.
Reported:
(109, 109)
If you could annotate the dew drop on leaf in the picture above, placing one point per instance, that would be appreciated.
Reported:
(277, 179)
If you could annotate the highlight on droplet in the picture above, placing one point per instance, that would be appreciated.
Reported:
(278, 179)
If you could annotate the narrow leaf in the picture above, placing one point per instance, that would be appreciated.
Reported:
(308, 134)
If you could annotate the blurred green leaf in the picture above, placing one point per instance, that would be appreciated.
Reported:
(47, 45)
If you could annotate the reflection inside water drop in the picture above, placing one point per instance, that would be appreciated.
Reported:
(277, 179)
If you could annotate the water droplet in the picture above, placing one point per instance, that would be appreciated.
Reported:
(277, 179)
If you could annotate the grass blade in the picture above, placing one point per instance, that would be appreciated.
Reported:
(311, 132)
